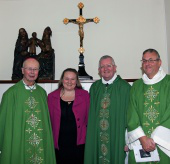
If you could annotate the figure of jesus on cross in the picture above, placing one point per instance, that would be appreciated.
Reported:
(80, 21)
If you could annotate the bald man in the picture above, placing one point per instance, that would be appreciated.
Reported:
(25, 130)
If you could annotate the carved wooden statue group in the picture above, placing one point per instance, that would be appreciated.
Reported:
(26, 47)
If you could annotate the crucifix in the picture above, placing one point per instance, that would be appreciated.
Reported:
(80, 21)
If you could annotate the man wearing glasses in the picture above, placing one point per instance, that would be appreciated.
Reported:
(149, 110)
(25, 130)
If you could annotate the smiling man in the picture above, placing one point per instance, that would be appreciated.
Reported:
(149, 109)
(25, 130)
(109, 99)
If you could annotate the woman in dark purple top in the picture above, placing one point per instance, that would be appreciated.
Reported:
(68, 106)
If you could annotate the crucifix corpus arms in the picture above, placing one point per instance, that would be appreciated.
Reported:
(80, 21)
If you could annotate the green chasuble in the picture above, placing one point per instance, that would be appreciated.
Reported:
(105, 138)
(25, 129)
(149, 108)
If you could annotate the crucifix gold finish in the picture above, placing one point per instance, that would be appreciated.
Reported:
(80, 21)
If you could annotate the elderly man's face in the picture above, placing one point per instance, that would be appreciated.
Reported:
(151, 64)
(107, 69)
(30, 71)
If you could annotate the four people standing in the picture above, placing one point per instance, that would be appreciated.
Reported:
(25, 130)
(69, 106)
(109, 99)
(149, 109)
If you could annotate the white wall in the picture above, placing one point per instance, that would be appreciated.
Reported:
(167, 17)
(126, 29)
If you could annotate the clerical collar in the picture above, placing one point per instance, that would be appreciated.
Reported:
(157, 78)
(29, 87)
(110, 81)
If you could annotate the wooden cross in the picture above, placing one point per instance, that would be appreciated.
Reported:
(80, 21)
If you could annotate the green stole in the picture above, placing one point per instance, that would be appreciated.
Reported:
(151, 108)
(104, 130)
(33, 137)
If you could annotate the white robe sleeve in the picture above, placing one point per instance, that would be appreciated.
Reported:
(161, 136)
(133, 137)
(135, 134)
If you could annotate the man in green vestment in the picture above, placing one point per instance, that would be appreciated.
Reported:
(25, 129)
(149, 110)
(109, 99)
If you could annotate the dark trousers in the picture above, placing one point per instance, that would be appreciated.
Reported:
(70, 155)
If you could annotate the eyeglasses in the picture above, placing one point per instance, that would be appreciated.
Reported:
(106, 66)
(32, 69)
(144, 61)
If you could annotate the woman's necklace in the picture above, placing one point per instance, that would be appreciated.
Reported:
(65, 99)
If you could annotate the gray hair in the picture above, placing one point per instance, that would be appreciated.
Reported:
(106, 57)
(151, 50)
